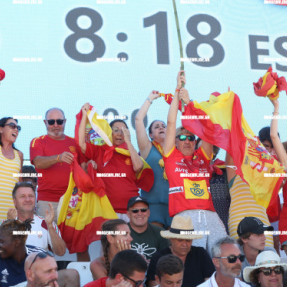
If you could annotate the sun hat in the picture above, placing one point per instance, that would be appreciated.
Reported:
(181, 228)
(264, 259)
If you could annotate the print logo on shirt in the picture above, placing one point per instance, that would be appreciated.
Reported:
(143, 249)
(4, 273)
(128, 161)
(195, 189)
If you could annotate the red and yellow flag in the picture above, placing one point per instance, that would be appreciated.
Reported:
(84, 207)
(222, 124)
(270, 85)
(99, 131)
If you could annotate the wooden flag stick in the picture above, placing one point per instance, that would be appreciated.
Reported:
(180, 46)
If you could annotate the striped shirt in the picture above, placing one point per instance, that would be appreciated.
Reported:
(8, 167)
(243, 204)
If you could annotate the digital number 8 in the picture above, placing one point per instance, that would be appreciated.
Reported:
(70, 43)
(215, 29)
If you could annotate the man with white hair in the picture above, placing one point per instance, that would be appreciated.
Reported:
(51, 155)
(227, 259)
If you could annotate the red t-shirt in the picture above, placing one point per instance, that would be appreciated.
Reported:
(186, 192)
(55, 179)
(98, 283)
(118, 189)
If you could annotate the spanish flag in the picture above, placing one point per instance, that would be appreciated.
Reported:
(99, 132)
(222, 124)
(270, 85)
(85, 205)
(84, 208)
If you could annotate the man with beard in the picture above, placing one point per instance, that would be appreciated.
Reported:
(51, 155)
(227, 259)
(41, 270)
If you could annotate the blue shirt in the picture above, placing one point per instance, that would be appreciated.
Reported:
(11, 271)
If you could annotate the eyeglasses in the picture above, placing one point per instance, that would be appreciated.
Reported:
(137, 283)
(268, 271)
(184, 137)
(13, 126)
(233, 258)
(58, 121)
(143, 210)
(42, 255)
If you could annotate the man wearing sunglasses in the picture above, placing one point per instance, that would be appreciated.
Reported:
(227, 259)
(51, 155)
(127, 270)
(146, 236)
(188, 175)
(41, 270)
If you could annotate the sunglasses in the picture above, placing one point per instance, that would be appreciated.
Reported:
(137, 283)
(184, 137)
(143, 210)
(13, 126)
(58, 121)
(42, 255)
(233, 258)
(268, 271)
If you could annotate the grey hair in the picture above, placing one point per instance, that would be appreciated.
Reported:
(58, 109)
(216, 248)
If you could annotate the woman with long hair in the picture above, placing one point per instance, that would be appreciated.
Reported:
(150, 145)
(11, 161)
(115, 237)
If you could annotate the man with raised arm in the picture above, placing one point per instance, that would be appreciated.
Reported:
(187, 173)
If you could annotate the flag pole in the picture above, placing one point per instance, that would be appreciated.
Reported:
(180, 46)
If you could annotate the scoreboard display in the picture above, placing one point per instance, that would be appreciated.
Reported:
(113, 53)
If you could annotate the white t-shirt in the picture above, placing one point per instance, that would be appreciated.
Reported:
(40, 236)
(211, 282)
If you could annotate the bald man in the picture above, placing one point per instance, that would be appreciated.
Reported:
(41, 271)
(51, 155)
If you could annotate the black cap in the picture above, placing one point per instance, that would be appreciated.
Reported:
(253, 225)
(135, 199)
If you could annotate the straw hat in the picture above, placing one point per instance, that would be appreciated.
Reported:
(264, 259)
(181, 228)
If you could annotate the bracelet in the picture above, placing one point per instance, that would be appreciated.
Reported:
(149, 100)
(177, 90)
(275, 113)
(58, 157)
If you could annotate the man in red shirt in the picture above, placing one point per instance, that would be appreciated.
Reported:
(51, 155)
(188, 175)
(127, 270)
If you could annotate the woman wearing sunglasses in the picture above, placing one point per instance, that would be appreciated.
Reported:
(115, 237)
(267, 272)
(11, 161)
(150, 145)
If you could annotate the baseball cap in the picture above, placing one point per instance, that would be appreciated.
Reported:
(136, 199)
(253, 225)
